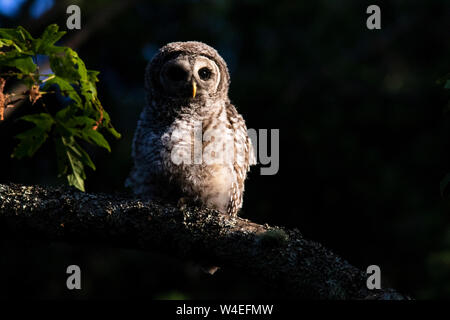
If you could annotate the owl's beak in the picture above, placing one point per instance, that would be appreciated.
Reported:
(194, 89)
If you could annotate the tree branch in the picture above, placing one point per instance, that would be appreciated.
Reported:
(282, 258)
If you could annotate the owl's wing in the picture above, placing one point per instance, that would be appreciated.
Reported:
(244, 151)
(146, 157)
(244, 158)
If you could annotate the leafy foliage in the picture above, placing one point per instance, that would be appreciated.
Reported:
(81, 120)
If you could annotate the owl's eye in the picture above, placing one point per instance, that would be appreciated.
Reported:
(204, 73)
(176, 73)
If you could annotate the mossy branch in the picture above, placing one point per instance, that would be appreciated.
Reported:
(287, 262)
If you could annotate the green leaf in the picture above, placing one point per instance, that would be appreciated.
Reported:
(69, 124)
(23, 63)
(62, 117)
(45, 45)
(61, 157)
(76, 168)
(9, 43)
(113, 131)
(82, 155)
(82, 127)
(88, 89)
(19, 36)
(95, 137)
(80, 122)
(65, 114)
(43, 120)
(20, 55)
(93, 75)
(24, 34)
(71, 161)
(68, 66)
(76, 180)
(9, 34)
(32, 139)
(109, 126)
(66, 89)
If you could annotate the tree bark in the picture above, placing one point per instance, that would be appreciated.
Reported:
(298, 267)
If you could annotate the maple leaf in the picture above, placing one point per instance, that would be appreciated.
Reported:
(79, 120)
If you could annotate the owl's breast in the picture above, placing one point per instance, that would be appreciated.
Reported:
(198, 156)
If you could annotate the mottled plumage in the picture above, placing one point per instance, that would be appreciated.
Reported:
(189, 115)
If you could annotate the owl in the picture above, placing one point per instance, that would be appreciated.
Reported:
(190, 141)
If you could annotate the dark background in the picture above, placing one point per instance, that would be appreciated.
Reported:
(364, 137)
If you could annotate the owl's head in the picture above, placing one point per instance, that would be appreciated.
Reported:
(187, 70)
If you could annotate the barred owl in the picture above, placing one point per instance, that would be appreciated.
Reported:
(190, 141)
